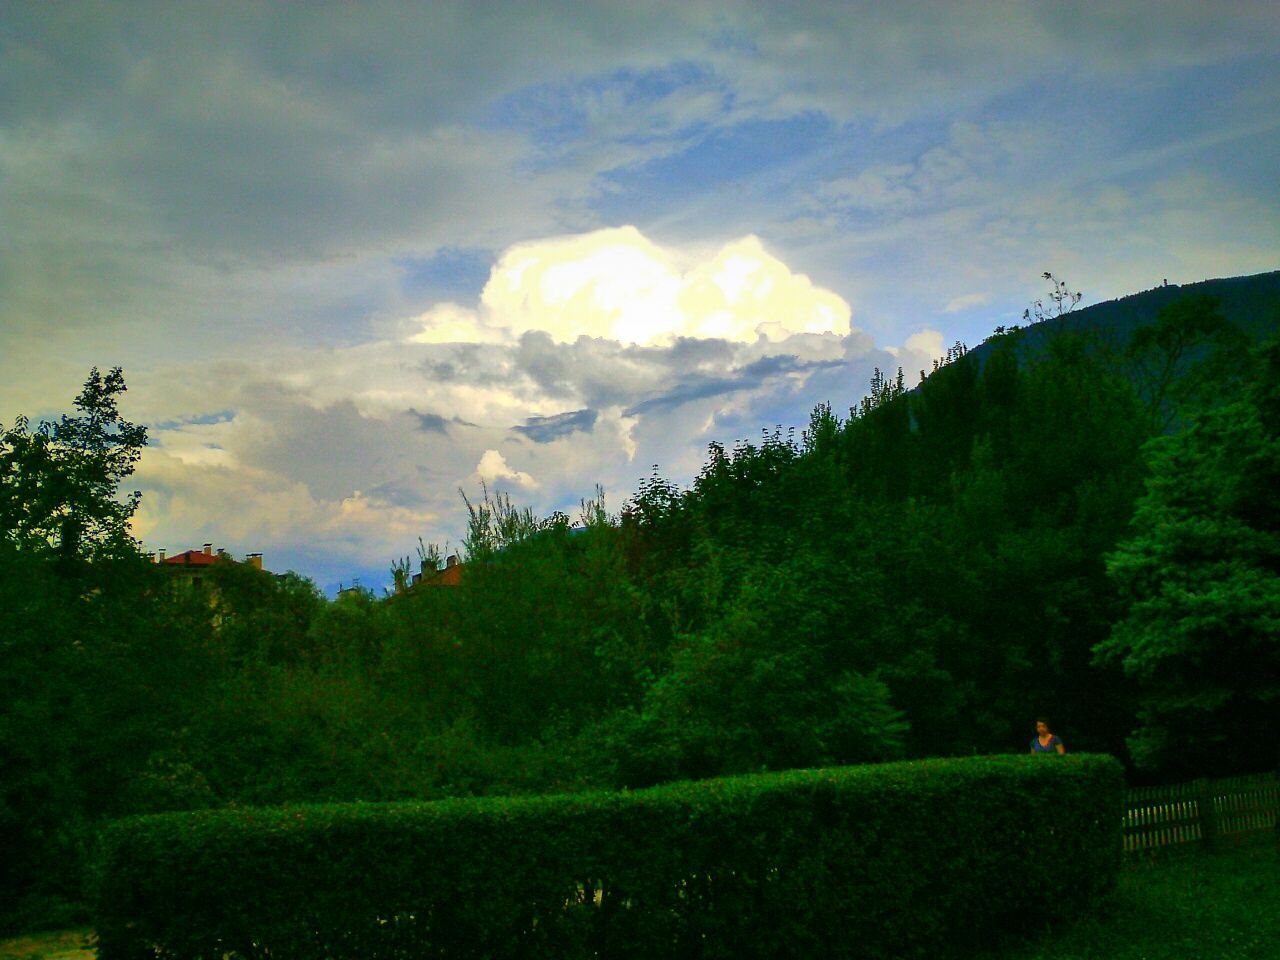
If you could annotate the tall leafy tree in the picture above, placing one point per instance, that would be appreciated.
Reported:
(60, 482)
(1201, 577)
(94, 678)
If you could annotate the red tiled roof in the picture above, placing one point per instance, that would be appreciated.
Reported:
(195, 558)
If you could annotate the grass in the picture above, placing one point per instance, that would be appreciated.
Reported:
(1196, 906)
(63, 945)
(1199, 906)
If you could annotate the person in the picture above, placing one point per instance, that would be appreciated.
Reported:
(1044, 741)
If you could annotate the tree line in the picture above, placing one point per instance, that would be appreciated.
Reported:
(1048, 524)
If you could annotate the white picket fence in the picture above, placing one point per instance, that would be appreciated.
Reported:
(1203, 811)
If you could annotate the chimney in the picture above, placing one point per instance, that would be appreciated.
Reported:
(208, 549)
(221, 552)
(254, 560)
(452, 561)
(160, 555)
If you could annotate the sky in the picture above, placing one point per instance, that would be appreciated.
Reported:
(357, 258)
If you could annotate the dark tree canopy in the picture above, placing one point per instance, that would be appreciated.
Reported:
(1200, 575)
(60, 482)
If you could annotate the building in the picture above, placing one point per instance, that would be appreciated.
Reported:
(193, 565)
(450, 576)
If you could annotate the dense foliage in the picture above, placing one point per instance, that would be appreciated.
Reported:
(1201, 573)
(872, 861)
(1051, 523)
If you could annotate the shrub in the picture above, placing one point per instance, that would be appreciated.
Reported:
(874, 861)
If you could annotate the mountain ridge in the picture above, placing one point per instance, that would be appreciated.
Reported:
(1251, 302)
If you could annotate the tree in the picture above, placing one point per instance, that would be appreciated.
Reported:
(1186, 358)
(59, 483)
(495, 523)
(1201, 576)
(1064, 301)
(257, 616)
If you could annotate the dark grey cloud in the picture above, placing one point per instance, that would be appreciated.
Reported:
(430, 422)
(444, 371)
(552, 366)
(606, 373)
(777, 364)
(472, 364)
(648, 379)
(546, 429)
(755, 374)
(688, 352)
(288, 131)
(695, 389)
(333, 449)
(435, 423)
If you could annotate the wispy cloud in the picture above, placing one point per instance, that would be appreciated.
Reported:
(966, 302)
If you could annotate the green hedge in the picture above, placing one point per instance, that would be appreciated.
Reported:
(875, 861)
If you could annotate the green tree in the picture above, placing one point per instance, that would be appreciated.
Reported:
(259, 616)
(351, 631)
(59, 483)
(101, 674)
(776, 677)
(1201, 577)
(1185, 359)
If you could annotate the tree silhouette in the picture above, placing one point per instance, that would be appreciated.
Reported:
(59, 483)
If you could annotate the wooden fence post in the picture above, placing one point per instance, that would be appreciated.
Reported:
(1208, 815)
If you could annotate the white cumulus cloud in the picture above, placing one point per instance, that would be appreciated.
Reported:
(493, 466)
(452, 323)
(616, 284)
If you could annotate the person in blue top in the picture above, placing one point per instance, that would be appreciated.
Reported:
(1044, 741)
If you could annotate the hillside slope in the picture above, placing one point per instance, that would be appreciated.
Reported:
(1251, 303)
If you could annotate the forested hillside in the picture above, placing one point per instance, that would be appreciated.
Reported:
(1074, 520)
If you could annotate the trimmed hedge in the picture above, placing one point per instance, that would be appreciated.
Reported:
(888, 860)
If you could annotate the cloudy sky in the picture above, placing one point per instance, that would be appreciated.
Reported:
(354, 257)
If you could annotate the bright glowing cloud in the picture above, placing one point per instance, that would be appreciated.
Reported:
(917, 354)
(928, 342)
(451, 323)
(493, 466)
(616, 284)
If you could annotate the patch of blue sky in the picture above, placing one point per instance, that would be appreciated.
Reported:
(375, 578)
(204, 420)
(1219, 123)
(556, 114)
(1161, 118)
(34, 420)
(453, 273)
(742, 156)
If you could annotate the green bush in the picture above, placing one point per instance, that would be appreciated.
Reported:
(874, 861)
